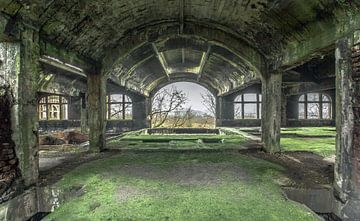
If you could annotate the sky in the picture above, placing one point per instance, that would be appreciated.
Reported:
(193, 92)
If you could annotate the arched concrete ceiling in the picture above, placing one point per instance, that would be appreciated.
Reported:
(138, 41)
(177, 58)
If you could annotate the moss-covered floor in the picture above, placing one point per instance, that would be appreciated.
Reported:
(319, 140)
(179, 186)
(201, 185)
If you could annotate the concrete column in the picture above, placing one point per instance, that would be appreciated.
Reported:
(219, 112)
(83, 115)
(20, 72)
(283, 109)
(347, 165)
(271, 111)
(97, 111)
(140, 112)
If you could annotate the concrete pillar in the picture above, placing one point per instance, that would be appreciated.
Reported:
(219, 112)
(140, 112)
(97, 111)
(347, 165)
(20, 71)
(83, 115)
(271, 111)
(283, 109)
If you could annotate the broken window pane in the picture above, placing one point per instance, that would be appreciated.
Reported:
(326, 111)
(313, 97)
(238, 111)
(301, 111)
(238, 98)
(119, 107)
(250, 97)
(250, 111)
(50, 108)
(313, 111)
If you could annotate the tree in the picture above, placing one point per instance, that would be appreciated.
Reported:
(165, 102)
(209, 102)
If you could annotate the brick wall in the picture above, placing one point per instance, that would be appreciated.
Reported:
(9, 172)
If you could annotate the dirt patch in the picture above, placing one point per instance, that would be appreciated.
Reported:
(125, 193)
(305, 169)
(188, 173)
(71, 161)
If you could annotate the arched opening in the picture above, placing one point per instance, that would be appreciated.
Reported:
(183, 105)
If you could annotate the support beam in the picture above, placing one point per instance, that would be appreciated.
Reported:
(203, 61)
(83, 115)
(347, 165)
(271, 111)
(62, 65)
(97, 111)
(181, 15)
(302, 88)
(317, 43)
(67, 58)
(162, 60)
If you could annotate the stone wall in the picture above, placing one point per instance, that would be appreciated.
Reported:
(9, 171)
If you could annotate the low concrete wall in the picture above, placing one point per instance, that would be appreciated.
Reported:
(238, 123)
(55, 125)
(309, 123)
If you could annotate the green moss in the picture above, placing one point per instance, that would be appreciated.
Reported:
(255, 197)
(141, 141)
(320, 140)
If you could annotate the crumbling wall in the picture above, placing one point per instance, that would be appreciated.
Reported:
(9, 170)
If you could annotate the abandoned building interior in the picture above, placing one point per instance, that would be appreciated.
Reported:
(96, 65)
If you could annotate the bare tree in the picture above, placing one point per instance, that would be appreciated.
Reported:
(208, 100)
(165, 102)
(181, 118)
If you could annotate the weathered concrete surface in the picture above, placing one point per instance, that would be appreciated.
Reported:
(320, 199)
(21, 208)
(347, 166)
(271, 111)
(21, 72)
(97, 111)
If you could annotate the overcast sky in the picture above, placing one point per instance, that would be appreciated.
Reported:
(193, 92)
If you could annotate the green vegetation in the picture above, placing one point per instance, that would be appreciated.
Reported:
(175, 186)
(320, 140)
(310, 131)
(187, 141)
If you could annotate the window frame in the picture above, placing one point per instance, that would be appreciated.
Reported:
(123, 103)
(258, 103)
(321, 103)
(63, 107)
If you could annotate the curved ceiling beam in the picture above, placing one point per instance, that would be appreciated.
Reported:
(149, 33)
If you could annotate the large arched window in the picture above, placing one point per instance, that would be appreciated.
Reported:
(53, 107)
(119, 107)
(315, 106)
(247, 106)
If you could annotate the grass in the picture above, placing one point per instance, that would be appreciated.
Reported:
(184, 141)
(310, 131)
(320, 140)
(244, 189)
